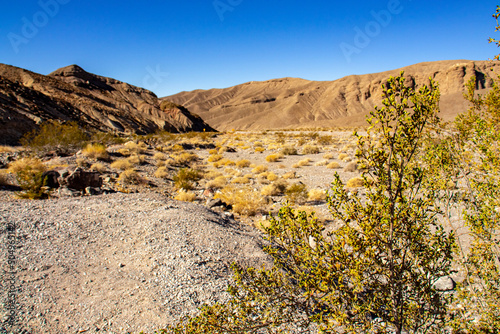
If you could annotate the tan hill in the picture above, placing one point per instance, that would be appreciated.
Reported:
(298, 103)
(71, 94)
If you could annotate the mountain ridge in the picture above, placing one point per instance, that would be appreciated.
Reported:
(295, 102)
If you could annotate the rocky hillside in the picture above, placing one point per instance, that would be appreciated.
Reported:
(72, 94)
(292, 103)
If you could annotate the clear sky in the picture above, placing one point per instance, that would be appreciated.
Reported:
(171, 46)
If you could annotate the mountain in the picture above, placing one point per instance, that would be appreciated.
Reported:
(95, 102)
(298, 103)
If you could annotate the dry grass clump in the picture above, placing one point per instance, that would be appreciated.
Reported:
(259, 149)
(322, 163)
(273, 158)
(328, 156)
(296, 193)
(136, 160)
(289, 150)
(316, 195)
(80, 162)
(302, 163)
(310, 149)
(185, 178)
(136, 148)
(160, 156)
(177, 148)
(275, 188)
(342, 156)
(272, 177)
(131, 177)
(351, 167)
(223, 162)
(124, 152)
(217, 183)
(212, 174)
(324, 140)
(355, 182)
(240, 180)
(161, 172)
(290, 175)
(122, 164)
(245, 200)
(259, 169)
(333, 165)
(98, 167)
(214, 157)
(213, 151)
(96, 151)
(185, 196)
(184, 159)
(34, 165)
(243, 163)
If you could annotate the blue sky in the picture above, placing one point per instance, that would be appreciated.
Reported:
(171, 46)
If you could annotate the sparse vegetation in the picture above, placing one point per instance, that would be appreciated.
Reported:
(310, 149)
(96, 151)
(29, 176)
(185, 178)
(245, 201)
(273, 158)
(131, 177)
(185, 196)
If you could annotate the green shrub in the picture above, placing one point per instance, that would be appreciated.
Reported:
(52, 136)
(29, 176)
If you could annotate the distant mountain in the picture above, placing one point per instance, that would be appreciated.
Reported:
(298, 103)
(95, 102)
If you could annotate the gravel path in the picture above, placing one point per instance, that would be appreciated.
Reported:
(118, 263)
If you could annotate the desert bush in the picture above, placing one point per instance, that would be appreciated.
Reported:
(96, 151)
(310, 149)
(322, 163)
(122, 164)
(217, 183)
(106, 138)
(185, 196)
(289, 175)
(316, 195)
(160, 156)
(214, 157)
(324, 140)
(259, 169)
(135, 147)
(240, 180)
(243, 163)
(351, 167)
(259, 149)
(302, 163)
(81, 162)
(342, 156)
(296, 193)
(244, 201)
(136, 160)
(161, 172)
(271, 177)
(29, 176)
(131, 177)
(355, 182)
(212, 174)
(124, 152)
(98, 167)
(273, 158)
(381, 263)
(63, 139)
(333, 165)
(328, 156)
(4, 180)
(289, 150)
(185, 178)
(7, 149)
(184, 159)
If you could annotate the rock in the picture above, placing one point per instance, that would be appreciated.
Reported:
(66, 192)
(92, 191)
(445, 283)
(51, 178)
(215, 203)
(81, 179)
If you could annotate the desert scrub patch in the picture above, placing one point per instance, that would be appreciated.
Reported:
(259, 169)
(80, 162)
(273, 158)
(184, 159)
(185, 196)
(213, 151)
(289, 150)
(125, 152)
(96, 151)
(351, 167)
(217, 183)
(232, 171)
(4, 179)
(272, 177)
(289, 175)
(244, 200)
(159, 156)
(259, 149)
(302, 163)
(212, 174)
(29, 176)
(240, 180)
(275, 188)
(131, 177)
(136, 148)
(161, 172)
(324, 140)
(342, 156)
(296, 193)
(310, 149)
(214, 157)
(136, 160)
(316, 195)
(7, 149)
(223, 162)
(185, 178)
(333, 165)
(243, 163)
(98, 167)
(328, 156)
(355, 182)
(121, 164)
(322, 163)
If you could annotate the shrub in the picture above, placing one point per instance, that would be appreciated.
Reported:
(259, 169)
(160, 156)
(63, 139)
(289, 150)
(328, 156)
(184, 159)
(333, 165)
(310, 149)
(302, 163)
(136, 160)
(316, 195)
(131, 177)
(243, 163)
(240, 180)
(185, 196)
(122, 164)
(214, 157)
(185, 177)
(271, 177)
(290, 175)
(276, 188)
(355, 182)
(296, 193)
(259, 149)
(322, 163)
(217, 183)
(96, 151)
(161, 173)
(351, 167)
(342, 156)
(29, 176)
(245, 201)
(98, 167)
(272, 158)
(324, 140)
(4, 181)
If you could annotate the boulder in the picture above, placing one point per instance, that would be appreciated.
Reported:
(51, 179)
(81, 179)
(445, 283)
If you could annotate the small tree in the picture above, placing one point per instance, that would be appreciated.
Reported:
(376, 272)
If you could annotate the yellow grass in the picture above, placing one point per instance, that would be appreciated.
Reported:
(333, 165)
(95, 151)
(243, 163)
(185, 196)
(355, 182)
(161, 172)
(316, 195)
(122, 164)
